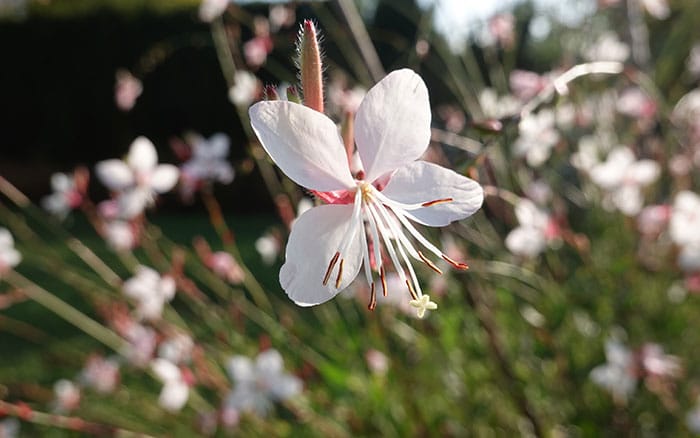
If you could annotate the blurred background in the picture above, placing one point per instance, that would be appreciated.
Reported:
(578, 316)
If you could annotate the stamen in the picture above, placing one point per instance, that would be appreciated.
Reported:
(340, 274)
(437, 201)
(334, 260)
(411, 291)
(372, 211)
(383, 278)
(458, 265)
(430, 264)
(372, 298)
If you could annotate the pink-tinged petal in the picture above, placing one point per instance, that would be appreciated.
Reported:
(304, 143)
(392, 126)
(133, 202)
(314, 240)
(421, 182)
(164, 178)
(142, 155)
(114, 174)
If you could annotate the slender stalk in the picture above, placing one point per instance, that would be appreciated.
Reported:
(25, 413)
(512, 385)
(66, 311)
(361, 36)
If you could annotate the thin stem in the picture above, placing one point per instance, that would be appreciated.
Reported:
(513, 386)
(66, 311)
(25, 413)
(364, 42)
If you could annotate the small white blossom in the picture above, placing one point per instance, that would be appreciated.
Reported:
(177, 348)
(245, 90)
(119, 235)
(137, 179)
(619, 374)
(622, 177)
(9, 256)
(150, 291)
(126, 90)
(65, 196)
(538, 136)
(608, 48)
(67, 396)
(536, 229)
(101, 374)
(258, 384)
(209, 10)
(176, 391)
(209, 161)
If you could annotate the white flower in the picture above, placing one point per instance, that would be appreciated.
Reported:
(608, 48)
(259, 383)
(65, 196)
(495, 107)
(622, 177)
(268, 246)
(141, 344)
(328, 244)
(9, 428)
(209, 10)
(209, 160)
(67, 396)
(684, 227)
(586, 158)
(177, 348)
(150, 291)
(618, 375)
(176, 391)
(119, 235)
(138, 178)
(9, 256)
(100, 374)
(126, 90)
(536, 229)
(246, 88)
(656, 363)
(537, 137)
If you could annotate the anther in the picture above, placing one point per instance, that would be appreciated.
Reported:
(340, 274)
(372, 298)
(430, 264)
(457, 265)
(330, 268)
(436, 201)
(383, 278)
(411, 291)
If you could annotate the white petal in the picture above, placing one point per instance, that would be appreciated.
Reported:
(219, 145)
(173, 396)
(241, 370)
(314, 240)
(628, 199)
(526, 241)
(611, 173)
(142, 155)
(529, 215)
(304, 143)
(164, 178)
(421, 182)
(133, 202)
(114, 174)
(644, 172)
(392, 126)
(167, 287)
(689, 258)
(285, 386)
(269, 363)
(10, 257)
(165, 370)
(60, 182)
(6, 240)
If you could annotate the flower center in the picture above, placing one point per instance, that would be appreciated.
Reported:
(377, 218)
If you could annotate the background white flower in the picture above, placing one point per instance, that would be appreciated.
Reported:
(9, 256)
(138, 178)
(176, 391)
(150, 291)
(618, 374)
(258, 384)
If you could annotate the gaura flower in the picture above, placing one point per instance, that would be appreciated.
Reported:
(176, 390)
(535, 231)
(329, 244)
(138, 178)
(150, 292)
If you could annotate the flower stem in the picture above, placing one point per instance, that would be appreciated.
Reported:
(66, 311)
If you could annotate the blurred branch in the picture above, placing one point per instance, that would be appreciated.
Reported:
(359, 32)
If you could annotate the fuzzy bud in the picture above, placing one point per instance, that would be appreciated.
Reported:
(310, 66)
